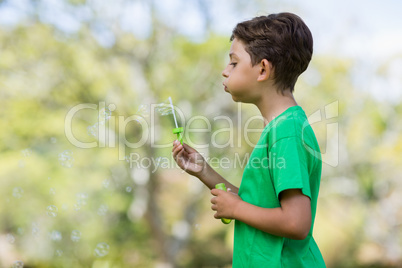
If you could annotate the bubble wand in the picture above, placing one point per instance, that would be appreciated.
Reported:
(178, 130)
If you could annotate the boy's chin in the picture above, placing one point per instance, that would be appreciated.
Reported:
(237, 99)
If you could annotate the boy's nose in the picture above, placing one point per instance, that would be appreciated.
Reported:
(225, 73)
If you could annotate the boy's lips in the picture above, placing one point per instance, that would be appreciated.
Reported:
(225, 87)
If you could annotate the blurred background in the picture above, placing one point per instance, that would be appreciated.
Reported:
(108, 203)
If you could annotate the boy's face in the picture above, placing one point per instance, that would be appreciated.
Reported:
(240, 76)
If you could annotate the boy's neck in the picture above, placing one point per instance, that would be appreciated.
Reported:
(274, 102)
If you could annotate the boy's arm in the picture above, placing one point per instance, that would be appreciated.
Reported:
(291, 220)
(194, 164)
(211, 178)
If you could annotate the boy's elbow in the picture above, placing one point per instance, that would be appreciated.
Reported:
(301, 235)
(299, 230)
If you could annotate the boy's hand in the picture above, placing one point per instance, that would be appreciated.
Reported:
(224, 203)
(188, 158)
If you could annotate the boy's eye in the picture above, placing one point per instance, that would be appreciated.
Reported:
(233, 63)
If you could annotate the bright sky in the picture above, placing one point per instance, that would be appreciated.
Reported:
(359, 27)
(355, 28)
(366, 30)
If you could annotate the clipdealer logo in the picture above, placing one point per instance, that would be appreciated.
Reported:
(108, 135)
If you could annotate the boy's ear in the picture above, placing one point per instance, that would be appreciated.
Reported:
(265, 72)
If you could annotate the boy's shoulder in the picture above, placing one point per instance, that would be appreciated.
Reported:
(292, 124)
(288, 124)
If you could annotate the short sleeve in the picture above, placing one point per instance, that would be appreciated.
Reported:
(288, 163)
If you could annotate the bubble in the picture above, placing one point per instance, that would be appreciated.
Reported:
(104, 114)
(75, 236)
(197, 226)
(58, 253)
(143, 110)
(66, 159)
(18, 264)
(106, 183)
(52, 191)
(10, 238)
(51, 211)
(64, 207)
(82, 199)
(53, 140)
(26, 152)
(55, 235)
(20, 231)
(128, 189)
(17, 192)
(102, 210)
(101, 250)
(35, 229)
(158, 160)
(81, 196)
(163, 109)
(112, 107)
(93, 130)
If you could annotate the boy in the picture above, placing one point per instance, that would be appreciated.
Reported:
(275, 206)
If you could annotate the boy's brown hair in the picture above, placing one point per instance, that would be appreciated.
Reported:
(283, 39)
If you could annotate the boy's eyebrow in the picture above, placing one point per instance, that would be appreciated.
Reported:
(232, 54)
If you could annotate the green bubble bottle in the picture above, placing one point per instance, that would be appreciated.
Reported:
(221, 186)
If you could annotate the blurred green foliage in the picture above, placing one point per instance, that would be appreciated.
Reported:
(154, 216)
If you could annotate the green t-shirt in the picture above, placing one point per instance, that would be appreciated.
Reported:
(287, 156)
